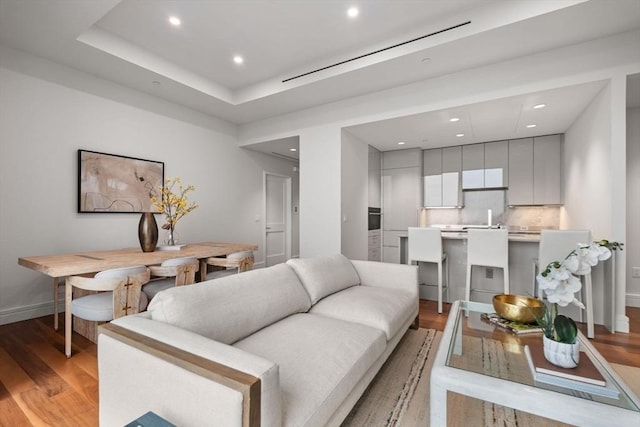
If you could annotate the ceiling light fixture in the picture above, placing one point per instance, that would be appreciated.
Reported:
(238, 59)
(401, 143)
(352, 12)
(538, 106)
(531, 126)
(293, 149)
(175, 21)
(454, 119)
(460, 135)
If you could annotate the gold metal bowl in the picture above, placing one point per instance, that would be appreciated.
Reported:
(518, 308)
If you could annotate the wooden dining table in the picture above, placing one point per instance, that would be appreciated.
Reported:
(79, 263)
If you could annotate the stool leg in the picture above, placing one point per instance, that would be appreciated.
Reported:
(440, 287)
(589, 304)
(468, 285)
(506, 279)
(446, 260)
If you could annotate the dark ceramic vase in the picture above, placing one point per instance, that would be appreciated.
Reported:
(148, 232)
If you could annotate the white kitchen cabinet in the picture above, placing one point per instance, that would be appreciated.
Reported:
(485, 165)
(520, 172)
(374, 187)
(547, 168)
(496, 164)
(473, 166)
(401, 197)
(535, 171)
(442, 167)
(375, 245)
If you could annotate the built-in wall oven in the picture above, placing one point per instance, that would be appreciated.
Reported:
(375, 218)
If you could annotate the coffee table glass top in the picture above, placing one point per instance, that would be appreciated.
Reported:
(483, 348)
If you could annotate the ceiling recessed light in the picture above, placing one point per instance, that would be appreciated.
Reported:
(531, 126)
(454, 119)
(401, 143)
(352, 12)
(537, 106)
(293, 149)
(460, 135)
(238, 59)
(175, 21)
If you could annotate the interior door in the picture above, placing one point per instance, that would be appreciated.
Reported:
(277, 242)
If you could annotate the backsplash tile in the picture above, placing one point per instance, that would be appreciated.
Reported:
(476, 205)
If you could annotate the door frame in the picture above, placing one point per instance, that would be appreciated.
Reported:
(288, 219)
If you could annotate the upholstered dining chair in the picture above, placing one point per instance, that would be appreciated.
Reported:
(172, 272)
(234, 263)
(119, 293)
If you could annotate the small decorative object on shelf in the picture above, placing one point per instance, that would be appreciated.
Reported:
(148, 232)
(173, 205)
(559, 282)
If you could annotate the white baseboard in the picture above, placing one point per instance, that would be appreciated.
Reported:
(632, 300)
(27, 312)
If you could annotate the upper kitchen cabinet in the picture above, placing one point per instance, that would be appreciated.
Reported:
(496, 164)
(374, 178)
(401, 196)
(535, 171)
(442, 168)
(485, 165)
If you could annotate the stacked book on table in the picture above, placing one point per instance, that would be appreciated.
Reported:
(510, 325)
(584, 378)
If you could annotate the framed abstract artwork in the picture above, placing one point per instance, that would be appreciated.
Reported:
(113, 183)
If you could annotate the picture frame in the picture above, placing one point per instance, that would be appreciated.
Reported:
(111, 183)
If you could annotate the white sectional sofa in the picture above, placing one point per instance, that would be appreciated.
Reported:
(295, 344)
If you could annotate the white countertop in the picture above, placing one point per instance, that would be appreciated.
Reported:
(513, 237)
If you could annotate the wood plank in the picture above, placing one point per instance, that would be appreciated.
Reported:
(12, 415)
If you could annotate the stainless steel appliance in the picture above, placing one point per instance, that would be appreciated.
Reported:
(375, 218)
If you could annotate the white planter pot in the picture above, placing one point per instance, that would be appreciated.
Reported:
(561, 354)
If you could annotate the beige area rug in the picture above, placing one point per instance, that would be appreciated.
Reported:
(399, 395)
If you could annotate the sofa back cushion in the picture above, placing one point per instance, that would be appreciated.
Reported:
(322, 276)
(233, 307)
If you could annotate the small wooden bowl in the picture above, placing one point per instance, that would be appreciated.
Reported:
(518, 308)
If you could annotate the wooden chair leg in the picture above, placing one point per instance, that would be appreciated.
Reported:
(416, 323)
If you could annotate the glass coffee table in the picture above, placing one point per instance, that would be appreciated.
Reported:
(485, 362)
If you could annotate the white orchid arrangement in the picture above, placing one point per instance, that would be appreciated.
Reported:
(559, 282)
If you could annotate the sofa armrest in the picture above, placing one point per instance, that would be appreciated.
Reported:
(188, 379)
(387, 275)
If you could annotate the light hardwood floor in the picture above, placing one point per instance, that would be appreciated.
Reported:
(39, 386)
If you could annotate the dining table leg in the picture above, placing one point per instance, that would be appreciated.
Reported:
(203, 269)
(55, 303)
(68, 294)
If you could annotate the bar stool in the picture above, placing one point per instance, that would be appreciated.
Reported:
(488, 248)
(425, 245)
(555, 245)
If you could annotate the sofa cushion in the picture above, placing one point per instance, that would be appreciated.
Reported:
(322, 276)
(321, 360)
(381, 308)
(231, 308)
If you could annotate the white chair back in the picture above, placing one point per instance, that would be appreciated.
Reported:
(117, 273)
(555, 245)
(488, 247)
(425, 244)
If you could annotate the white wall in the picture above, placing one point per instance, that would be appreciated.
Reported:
(47, 113)
(355, 197)
(320, 225)
(632, 243)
